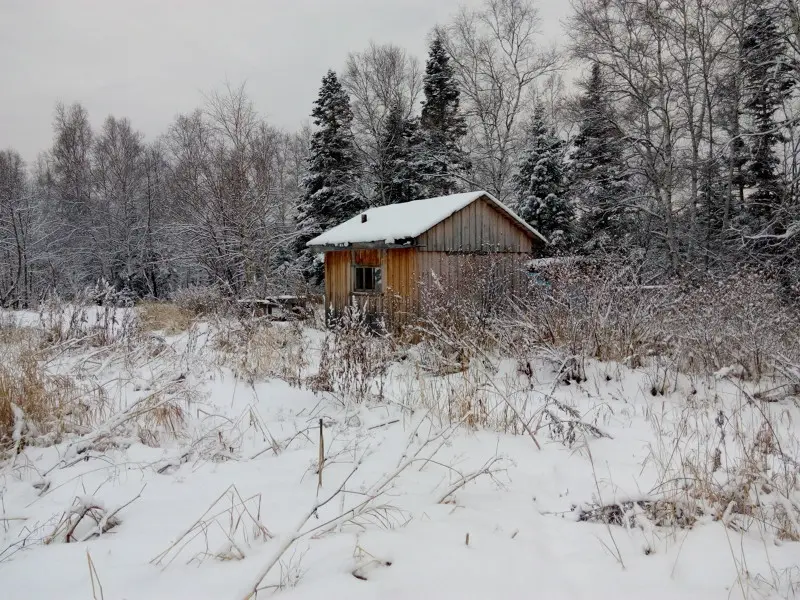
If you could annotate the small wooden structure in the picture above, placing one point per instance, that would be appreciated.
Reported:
(391, 260)
(288, 307)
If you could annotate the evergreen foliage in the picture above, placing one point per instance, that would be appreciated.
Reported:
(598, 175)
(539, 184)
(330, 194)
(769, 79)
(437, 142)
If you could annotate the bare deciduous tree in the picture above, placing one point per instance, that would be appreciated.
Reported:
(498, 58)
(379, 79)
(225, 179)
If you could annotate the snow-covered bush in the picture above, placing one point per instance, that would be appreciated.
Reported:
(740, 321)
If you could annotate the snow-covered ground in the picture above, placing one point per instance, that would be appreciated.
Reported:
(434, 503)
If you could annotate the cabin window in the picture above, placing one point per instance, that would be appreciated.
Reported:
(367, 279)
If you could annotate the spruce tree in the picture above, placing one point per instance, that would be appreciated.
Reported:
(598, 176)
(329, 196)
(768, 82)
(398, 180)
(539, 184)
(437, 143)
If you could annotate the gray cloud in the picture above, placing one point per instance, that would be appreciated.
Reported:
(151, 59)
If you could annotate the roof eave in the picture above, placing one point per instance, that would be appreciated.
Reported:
(411, 243)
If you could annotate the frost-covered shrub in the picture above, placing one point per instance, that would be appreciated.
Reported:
(200, 300)
(355, 357)
(460, 316)
(599, 309)
(257, 349)
(738, 321)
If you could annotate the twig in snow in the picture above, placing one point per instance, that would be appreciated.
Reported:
(110, 519)
(293, 537)
(387, 423)
(486, 469)
(95, 579)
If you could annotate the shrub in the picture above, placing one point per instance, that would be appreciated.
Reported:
(600, 310)
(257, 349)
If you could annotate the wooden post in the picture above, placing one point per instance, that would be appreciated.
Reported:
(321, 453)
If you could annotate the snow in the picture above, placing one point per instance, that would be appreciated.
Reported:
(523, 536)
(396, 222)
(541, 263)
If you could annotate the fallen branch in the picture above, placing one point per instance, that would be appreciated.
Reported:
(486, 469)
(293, 537)
(374, 492)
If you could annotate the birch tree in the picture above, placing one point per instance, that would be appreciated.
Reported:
(498, 57)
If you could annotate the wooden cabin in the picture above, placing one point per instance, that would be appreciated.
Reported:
(393, 260)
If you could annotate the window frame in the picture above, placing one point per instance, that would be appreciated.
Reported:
(376, 276)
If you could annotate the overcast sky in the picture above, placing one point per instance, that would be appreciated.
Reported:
(149, 60)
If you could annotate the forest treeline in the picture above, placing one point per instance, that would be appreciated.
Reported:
(676, 151)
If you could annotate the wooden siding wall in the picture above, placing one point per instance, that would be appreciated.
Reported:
(400, 279)
(367, 258)
(337, 279)
(452, 278)
(399, 272)
(479, 227)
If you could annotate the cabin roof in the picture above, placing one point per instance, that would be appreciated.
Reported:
(395, 222)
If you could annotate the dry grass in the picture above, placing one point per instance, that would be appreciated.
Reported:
(13, 334)
(168, 317)
(258, 349)
(48, 405)
(736, 462)
(354, 358)
(38, 403)
(601, 311)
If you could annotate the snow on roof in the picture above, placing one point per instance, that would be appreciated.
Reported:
(396, 222)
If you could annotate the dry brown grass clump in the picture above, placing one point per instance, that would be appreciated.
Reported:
(41, 406)
(37, 403)
(164, 316)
